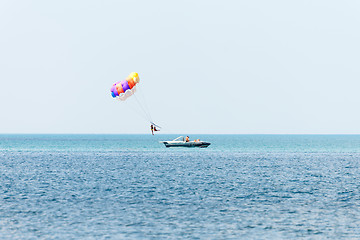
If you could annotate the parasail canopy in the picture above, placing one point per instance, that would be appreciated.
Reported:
(124, 89)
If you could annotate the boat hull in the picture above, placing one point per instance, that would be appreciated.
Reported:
(187, 144)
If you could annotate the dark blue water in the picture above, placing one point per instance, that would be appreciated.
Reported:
(132, 187)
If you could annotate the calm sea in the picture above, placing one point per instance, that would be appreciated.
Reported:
(132, 187)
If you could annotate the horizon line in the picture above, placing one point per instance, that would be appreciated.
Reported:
(180, 134)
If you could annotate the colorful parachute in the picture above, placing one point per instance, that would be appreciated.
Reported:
(124, 89)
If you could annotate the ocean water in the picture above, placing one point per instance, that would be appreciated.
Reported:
(132, 187)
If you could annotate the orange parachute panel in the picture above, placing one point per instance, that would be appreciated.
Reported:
(119, 89)
(131, 83)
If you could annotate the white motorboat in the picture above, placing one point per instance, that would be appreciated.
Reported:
(180, 142)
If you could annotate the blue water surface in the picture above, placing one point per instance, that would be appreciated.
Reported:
(132, 187)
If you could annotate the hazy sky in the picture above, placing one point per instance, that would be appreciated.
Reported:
(205, 66)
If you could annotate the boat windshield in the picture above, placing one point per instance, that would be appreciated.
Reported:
(181, 138)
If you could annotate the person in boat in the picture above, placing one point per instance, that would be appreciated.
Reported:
(187, 139)
(153, 128)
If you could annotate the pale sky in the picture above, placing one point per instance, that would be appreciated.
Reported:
(239, 67)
